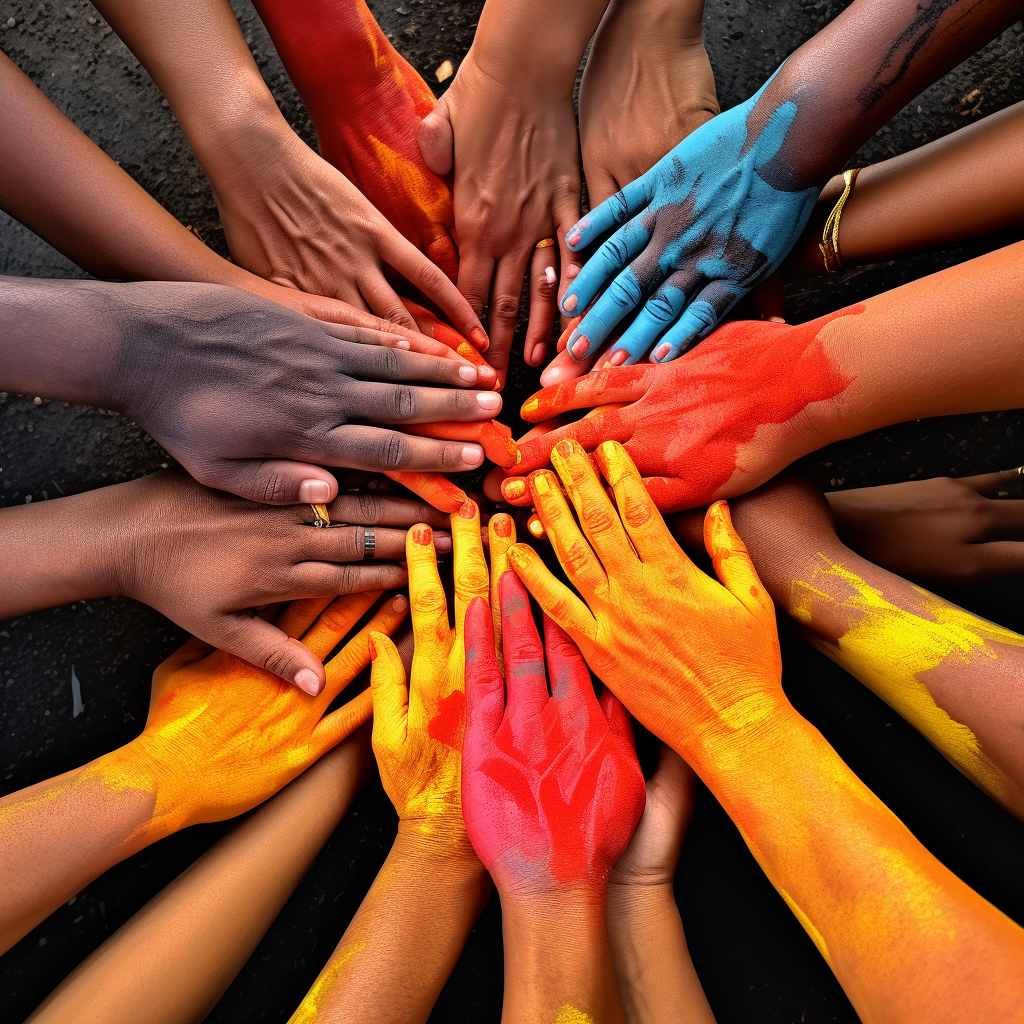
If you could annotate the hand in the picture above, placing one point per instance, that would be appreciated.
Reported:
(551, 786)
(715, 424)
(418, 727)
(695, 234)
(172, 533)
(222, 736)
(700, 689)
(942, 530)
(517, 182)
(647, 85)
(245, 394)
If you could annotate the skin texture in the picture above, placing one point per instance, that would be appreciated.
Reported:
(432, 887)
(221, 737)
(552, 792)
(244, 393)
(721, 211)
(652, 963)
(955, 677)
(756, 395)
(506, 129)
(697, 662)
(204, 559)
(942, 530)
(206, 924)
(288, 215)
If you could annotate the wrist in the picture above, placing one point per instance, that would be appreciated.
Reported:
(443, 844)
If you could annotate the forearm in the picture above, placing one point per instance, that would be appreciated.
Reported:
(652, 963)
(905, 937)
(858, 71)
(423, 900)
(956, 188)
(558, 961)
(206, 923)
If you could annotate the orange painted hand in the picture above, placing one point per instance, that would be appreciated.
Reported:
(690, 687)
(418, 726)
(223, 736)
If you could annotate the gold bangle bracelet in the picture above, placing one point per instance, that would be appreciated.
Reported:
(829, 244)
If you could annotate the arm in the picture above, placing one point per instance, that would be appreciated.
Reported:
(552, 792)
(653, 965)
(720, 212)
(432, 887)
(698, 663)
(756, 396)
(288, 215)
(207, 922)
(192, 762)
(955, 677)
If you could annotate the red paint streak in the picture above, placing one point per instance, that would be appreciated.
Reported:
(502, 525)
(422, 535)
(685, 421)
(449, 722)
(467, 510)
(494, 437)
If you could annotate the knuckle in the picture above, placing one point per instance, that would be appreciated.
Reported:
(615, 252)
(473, 579)
(426, 600)
(618, 206)
(660, 308)
(505, 308)
(391, 363)
(394, 452)
(276, 660)
(429, 277)
(636, 512)
(543, 288)
(348, 579)
(403, 403)
(271, 487)
(625, 293)
(371, 508)
(599, 520)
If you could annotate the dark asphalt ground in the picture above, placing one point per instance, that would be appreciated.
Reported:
(754, 960)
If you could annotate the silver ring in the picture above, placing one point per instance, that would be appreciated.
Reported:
(369, 542)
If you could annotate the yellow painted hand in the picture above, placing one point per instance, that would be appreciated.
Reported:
(418, 727)
(223, 736)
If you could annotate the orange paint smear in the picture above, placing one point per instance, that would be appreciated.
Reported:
(432, 488)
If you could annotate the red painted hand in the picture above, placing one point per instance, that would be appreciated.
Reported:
(716, 423)
(551, 787)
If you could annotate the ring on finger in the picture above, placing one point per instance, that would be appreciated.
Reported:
(369, 542)
(321, 517)
(544, 243)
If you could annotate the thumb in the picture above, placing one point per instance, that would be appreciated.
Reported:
(390, 693)
(272, 481)
(264, 645)
(437, 140)
(733, 566)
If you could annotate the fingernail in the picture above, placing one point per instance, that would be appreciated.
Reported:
(535, 526)
(442, 543)
(468, 374)
(489, 400)
(662, 351)
(372, 646)
(516, 557)
(607, 449)
(467, 509)
(513, 489)
(540, 484)
(307, 681)
(314, 492)
(618, 357)
(529, 406)
(564, 448)
(487, 372)
(570, 301)
(422, 535)
(574, 238)
(580, 346)
(402, 343)
(549, 275)
(776, 319)
(400, 604)
(472, 455)
(479, 338)
(502, 525)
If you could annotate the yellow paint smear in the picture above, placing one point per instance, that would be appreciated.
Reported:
(570, 1015)
(888, 648)
(309, 1011)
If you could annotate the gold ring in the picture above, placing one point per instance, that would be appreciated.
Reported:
(321, 517)
(544, 243)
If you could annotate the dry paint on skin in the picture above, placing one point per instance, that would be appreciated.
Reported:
(309, 1012)
(889, 648)
(570, 1015)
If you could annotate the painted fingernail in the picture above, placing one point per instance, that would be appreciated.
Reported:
(565, 449)
(479, 338)
(314, 492)
(399, 604)
(502, 525)
(442, 543)
(540, 484)
(468, 374)
(422, 535)
(472, 455)
(776, 319)
(662, 351)
(535, 526)
(529, 406)
(489, 400)
(513, 489)
(516, 556)
(549, 275)
(467, 509)
(618, 357)
(574, 238)
(580, 346)
(569, 302)
(307, 681)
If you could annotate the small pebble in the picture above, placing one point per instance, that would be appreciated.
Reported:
(445, 71)
(11, 23)
(37, 401)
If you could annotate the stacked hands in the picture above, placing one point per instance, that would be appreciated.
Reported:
(340, 361)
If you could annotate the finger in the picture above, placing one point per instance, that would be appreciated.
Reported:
(370, 509)
(380, 363)
(262, 644)
(536, 527)
(401, 403)
(366, 329)
(355, 655)
(999, 558)
(320, 579)
(471, 578)
(588, 433)
(501, 535)
(476, 269)
(484, 686)
(619, 722)
(271, 481)
(503, 312)
(336, 619)
(577, 558)
(701, 317)
(595, 511)
(348, 544)
(619, 384)
(993, 485)
(340, 724)
(443, 253)
(382, 299)
(492, 485)
(543, 293)
(437, 329)
(670, 494)
(380, 450)
(524, 659)
(614, 211)
(554, 597)
(572, 263)
(660, 311)
(438, 490)
(494, 437)
(297, 616)
(568, 673)
(390, 694)
(732, 563)
(437, 140)
(429, 607)
(564, 368)
(1004, 520)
